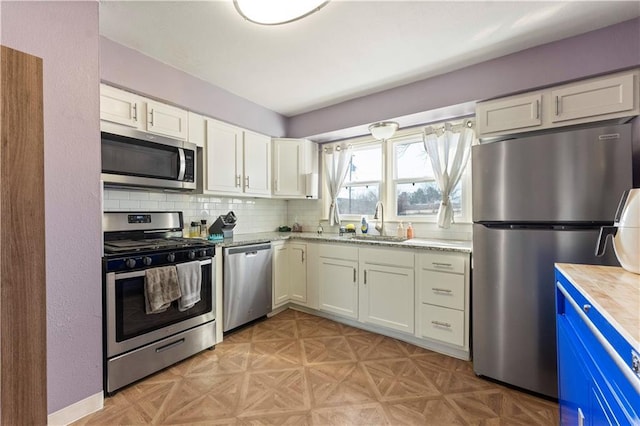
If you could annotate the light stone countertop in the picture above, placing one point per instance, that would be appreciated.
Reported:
(415, 243)
(614, 292)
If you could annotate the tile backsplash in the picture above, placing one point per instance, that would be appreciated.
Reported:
(256, 214)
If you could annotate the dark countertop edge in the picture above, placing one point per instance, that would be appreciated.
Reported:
(264, 237)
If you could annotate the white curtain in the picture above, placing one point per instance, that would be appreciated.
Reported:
(448, 149)
(336, 161)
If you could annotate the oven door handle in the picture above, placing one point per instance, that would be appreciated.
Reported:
(136, 274)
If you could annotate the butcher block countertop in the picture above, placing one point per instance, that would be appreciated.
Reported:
(613, 291)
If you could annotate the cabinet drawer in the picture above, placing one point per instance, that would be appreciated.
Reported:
(445, 262)
(389, 257)
(442, 289)
(339, 252)
(446, 325)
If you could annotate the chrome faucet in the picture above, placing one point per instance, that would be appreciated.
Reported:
(380, 211)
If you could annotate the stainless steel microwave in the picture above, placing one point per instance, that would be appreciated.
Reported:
(132, 158)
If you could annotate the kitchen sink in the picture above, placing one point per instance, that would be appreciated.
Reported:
(387, 238)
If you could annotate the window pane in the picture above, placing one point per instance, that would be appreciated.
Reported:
(412, 161)
(424, 199)
(358, 199)
(365, 165)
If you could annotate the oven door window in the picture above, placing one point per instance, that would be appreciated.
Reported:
(132, 157)
(131, 317)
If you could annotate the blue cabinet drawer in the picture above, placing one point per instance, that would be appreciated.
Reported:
(612, 396)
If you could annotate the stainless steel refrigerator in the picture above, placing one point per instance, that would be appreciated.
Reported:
(537, 200)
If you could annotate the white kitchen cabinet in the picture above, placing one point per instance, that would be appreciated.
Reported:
(516, 113)
(593, 98)
(443, 298)
(235, 161)
(590, 100)
(121, 107)
(166, 120)
(293, 159)
(197, 129)
(222, 165)
(280, 271)
(338, 280)
(387, 288)
(289, 273)
(257, 164)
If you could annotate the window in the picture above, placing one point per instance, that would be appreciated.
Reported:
(416, 192)
(361, 189)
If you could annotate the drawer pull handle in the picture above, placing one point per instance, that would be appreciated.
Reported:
(441, 324)
(441, 290)
(169, 346)
(441, 265)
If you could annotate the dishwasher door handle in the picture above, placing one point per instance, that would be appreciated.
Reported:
(251, 253)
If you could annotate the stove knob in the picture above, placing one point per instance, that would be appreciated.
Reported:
(192, 255)
(146, 260)
(203, 253)
(171, 257)
(131, 263)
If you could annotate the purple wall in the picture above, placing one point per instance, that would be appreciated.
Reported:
(601, 51)
(133, 70)
(65, 36)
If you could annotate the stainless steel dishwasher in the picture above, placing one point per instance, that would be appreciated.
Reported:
(247, 284)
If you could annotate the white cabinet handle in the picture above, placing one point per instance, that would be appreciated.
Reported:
(441, 324)
(238, 180)
(135, 111)
(247, 181)
(151, 117)
(365, 277)
(354, 275)
(302, 255)
(441, 265)
(440, 290)
(557, 105)
(537, 108)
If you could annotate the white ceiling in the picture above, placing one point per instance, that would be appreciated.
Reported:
(347, 49)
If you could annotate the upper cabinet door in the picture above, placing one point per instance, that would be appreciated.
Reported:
(593, 98)
(516, 112)
(118, 106)
(289, 167)
(166, 120)
(223, 153)
(257, 164)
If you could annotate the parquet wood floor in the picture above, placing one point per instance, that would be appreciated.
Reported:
(298, 369)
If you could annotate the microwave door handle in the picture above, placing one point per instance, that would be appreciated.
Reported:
(183, 164)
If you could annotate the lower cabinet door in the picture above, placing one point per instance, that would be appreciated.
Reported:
(574, 383)
(387, 297)
(338, 287)
(444, 324)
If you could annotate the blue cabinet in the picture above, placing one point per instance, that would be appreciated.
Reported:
(596, 382)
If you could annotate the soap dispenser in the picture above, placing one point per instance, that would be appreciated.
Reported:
(400, 231)
(364, 226)
(409, 231)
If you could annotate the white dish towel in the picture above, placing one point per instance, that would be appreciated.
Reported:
(190, 281)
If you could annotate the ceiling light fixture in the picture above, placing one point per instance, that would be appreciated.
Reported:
(383, 130)
(276, 12)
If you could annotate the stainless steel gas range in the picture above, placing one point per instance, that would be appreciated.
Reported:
(137, 343)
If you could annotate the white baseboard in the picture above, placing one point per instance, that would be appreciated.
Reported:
(77, 410)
